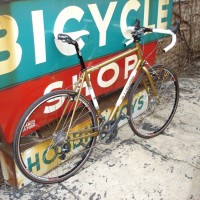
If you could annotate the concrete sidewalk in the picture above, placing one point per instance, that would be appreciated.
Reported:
(166, 167)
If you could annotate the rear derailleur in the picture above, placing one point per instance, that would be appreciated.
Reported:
(64, 149)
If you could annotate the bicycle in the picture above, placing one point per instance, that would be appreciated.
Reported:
(68, 124)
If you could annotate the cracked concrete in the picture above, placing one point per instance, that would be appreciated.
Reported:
(166, 167)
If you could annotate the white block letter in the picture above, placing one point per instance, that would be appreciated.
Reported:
(130, 5)
(39, 36)
(162, 14)
(71, 12)
(102, 24)
(101, 82)
(59, 100)
(128, 67)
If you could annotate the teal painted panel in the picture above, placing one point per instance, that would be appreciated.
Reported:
(27, 29)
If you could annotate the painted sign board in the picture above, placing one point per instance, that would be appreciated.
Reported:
(40, 162)
(32, 63)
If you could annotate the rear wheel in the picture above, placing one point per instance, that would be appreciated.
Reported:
(49, 145)
(151, 114)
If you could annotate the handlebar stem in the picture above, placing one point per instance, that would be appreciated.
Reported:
(137, 31)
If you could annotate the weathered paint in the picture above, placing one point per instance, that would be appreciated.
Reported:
(28, 28)
(32, 63)
(24, 94)
(39, 162)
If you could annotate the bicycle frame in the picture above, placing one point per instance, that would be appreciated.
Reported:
(85, 77)
(140, 65)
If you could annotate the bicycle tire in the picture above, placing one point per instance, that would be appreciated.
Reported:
(37, 128)
(148, 116)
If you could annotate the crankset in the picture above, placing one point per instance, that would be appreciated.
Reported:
(108, 132)
(109, 129)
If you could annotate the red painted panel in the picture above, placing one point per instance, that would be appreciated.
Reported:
(15, 100)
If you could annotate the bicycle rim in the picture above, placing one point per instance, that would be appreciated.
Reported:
(41, 150)
(151, 114)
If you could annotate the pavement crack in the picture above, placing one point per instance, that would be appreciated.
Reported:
(63, 187)
(164, 157)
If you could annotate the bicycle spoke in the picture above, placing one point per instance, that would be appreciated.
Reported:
(64, 155)
(159, 109)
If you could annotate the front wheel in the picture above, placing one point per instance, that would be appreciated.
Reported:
(149, 114)
(51, 141)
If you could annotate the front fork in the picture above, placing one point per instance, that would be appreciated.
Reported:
(151, 82)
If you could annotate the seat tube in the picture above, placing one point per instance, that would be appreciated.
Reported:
(91, 91)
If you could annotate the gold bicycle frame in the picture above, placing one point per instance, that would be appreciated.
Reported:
(85, 77)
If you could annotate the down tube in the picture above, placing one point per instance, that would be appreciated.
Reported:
(125, 90)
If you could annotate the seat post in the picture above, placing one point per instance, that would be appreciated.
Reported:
(80, 57)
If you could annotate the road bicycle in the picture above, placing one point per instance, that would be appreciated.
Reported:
(67, 124)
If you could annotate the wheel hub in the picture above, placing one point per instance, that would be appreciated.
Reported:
(60, 138)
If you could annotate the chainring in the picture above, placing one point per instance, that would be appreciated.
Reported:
(107, 135)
